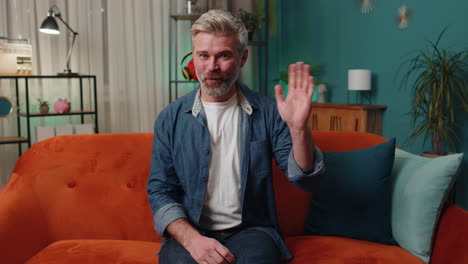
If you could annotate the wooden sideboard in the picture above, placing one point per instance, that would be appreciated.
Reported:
(347, 117)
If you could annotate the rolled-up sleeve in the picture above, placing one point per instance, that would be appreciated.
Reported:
(307, 180)
(166, 215)
(164, 189)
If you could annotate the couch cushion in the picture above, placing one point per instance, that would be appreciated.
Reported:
(339, 250)
(291, 200)
(419, 188)
(353, 199)
(98, 251)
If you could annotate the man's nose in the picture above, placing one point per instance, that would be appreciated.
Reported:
(213, 64)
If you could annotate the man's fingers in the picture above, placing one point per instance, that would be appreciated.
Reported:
(306, 75)
(292, 76)
(311, 88)
(279, 94)
(216, 258)
(299, 74)
(226, 254)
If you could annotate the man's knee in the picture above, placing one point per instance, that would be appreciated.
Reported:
(254, 246)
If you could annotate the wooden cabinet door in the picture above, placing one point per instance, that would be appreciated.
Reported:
(339, 117)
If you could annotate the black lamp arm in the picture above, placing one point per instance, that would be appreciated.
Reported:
(58, 15)
(66, 24)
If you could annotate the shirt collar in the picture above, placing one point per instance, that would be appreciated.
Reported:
(243, 102)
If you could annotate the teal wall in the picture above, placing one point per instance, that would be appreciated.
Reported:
(339, 37)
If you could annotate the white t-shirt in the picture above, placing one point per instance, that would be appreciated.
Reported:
(222, 207)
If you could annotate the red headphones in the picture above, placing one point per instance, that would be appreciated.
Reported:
(189, 70)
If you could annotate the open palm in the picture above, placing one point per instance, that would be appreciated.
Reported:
(295, 109)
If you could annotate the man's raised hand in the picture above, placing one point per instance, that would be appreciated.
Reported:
(295, 109)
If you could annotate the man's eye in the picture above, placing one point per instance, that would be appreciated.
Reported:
(202, 55)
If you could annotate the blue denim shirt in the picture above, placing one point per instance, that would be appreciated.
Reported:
(181, 159)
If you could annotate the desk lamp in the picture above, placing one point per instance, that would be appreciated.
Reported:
(50, 26)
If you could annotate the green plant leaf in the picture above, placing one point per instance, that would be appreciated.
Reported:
(437, 78)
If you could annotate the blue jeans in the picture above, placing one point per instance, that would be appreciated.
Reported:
(248, 246)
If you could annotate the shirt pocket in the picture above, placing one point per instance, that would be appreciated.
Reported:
(260, 156)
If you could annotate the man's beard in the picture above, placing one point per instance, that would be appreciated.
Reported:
(218, 90)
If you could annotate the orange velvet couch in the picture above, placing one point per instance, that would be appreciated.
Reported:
(82, 199)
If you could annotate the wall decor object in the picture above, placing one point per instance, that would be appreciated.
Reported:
(188, 71)
(197, 6)
(50, 26)
(189, 5)
(367, 6)
(6, 107)
(16, 58)
(322, 90)
(62, 106)
(403, 17)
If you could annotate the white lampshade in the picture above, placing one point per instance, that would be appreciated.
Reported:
(359, 80)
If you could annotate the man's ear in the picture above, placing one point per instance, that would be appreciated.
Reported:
(244, 57)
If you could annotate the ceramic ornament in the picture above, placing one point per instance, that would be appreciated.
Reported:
(322, 89)
(367, 6)
(62, 106)
(403, 17)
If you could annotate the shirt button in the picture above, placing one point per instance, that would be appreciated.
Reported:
(198, 205)
(207, 150)
(205, 179)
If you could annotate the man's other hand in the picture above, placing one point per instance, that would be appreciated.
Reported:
(208, 250)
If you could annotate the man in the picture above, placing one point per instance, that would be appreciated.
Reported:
(210, 184)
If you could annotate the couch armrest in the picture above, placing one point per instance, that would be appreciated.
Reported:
(23, 231)
(451, 242)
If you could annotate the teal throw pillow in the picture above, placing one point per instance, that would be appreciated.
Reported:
(353, 198)
(420, 187)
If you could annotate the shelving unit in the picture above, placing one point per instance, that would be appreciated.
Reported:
(27, 114)
(176, 80)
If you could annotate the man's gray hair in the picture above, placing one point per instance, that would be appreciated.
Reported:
(221, 22)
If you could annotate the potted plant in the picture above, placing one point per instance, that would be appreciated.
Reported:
(43, 106)
(438, 82)
(251, 21)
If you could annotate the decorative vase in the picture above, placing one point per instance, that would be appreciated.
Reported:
(62, 106)
(44, 109)
(322, 90)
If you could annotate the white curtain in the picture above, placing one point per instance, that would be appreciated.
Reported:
(123, 42)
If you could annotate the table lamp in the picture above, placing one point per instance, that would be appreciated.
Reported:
(359, 80)
(50, 26)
